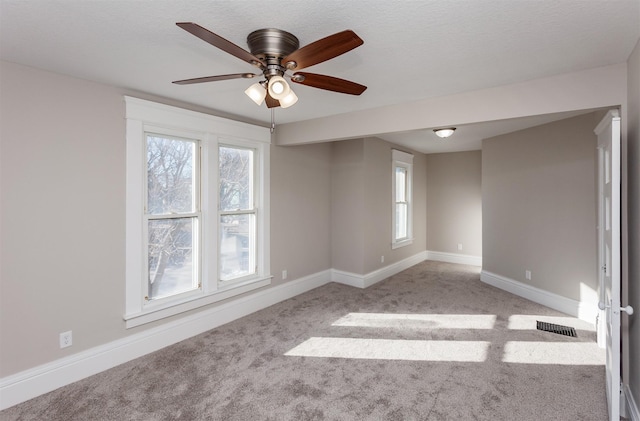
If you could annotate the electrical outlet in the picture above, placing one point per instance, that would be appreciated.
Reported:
(284, 274)
(459, 246)
(381, 259)
(527, 275)
(66, 339)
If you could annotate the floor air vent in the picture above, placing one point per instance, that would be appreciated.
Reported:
(559, 329)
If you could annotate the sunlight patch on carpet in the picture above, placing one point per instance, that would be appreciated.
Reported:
(392, 349)
(529, 322)
(556, 353)
(418, 321)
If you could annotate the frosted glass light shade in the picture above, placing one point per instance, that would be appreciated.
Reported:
(257, 93)
(444, 133)
(278, 87)
(289, 100)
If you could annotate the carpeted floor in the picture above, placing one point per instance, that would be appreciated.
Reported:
(431, 343)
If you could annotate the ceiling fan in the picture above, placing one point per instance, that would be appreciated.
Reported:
(275, 52)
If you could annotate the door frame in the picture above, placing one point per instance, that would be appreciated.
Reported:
(609, 238)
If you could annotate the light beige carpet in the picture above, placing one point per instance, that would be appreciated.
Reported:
(431, 343)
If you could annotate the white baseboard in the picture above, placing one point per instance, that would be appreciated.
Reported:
(347, 278)
(463, 259)
(30, 383)
(365, 281)
(582, 310)
(632, 407)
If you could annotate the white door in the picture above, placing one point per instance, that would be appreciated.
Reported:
(608, 132)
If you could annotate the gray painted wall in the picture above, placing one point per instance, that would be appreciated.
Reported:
(633, 191)
(361, 206)
(63, 215)
(538, 206)
(454, 202)
(300, 210)
(347, 205)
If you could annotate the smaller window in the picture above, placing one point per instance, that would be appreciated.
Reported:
(402, 173)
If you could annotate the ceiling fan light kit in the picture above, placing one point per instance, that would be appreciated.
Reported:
(257, 93)
(278, 87)
(289, 100)
(275, 52)
(444, 133)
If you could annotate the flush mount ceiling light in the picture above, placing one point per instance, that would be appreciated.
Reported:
(275, 52)
(444, 133)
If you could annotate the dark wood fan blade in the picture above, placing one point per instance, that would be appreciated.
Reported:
(214, 78)
(328, 83)
(271, 102)
(221, 43)
(322, 50)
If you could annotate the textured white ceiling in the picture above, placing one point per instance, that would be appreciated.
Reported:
(412, 49)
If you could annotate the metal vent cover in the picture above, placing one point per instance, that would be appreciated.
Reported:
(559, 329)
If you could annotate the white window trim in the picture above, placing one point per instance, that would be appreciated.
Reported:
(146, 116)
(405, 160)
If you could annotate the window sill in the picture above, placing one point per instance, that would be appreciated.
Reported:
(148, 316)
(403, 243)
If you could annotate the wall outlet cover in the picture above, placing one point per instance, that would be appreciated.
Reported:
(66, 339)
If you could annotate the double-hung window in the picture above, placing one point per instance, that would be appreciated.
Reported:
(237, 213)
(402, 210)
(172, 216)
(197, 224)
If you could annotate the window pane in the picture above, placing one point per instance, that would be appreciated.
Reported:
(401, 184)
(237, 246)
(401, 221)
(236, 179)
(171, 257)
(170, 175)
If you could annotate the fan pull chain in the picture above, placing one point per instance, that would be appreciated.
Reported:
(273, 121)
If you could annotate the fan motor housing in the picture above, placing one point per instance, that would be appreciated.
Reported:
(272, 43)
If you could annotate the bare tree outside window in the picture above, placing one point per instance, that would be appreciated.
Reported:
(169, 175)
(236, 179)
(171, 205)
(237, 212)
